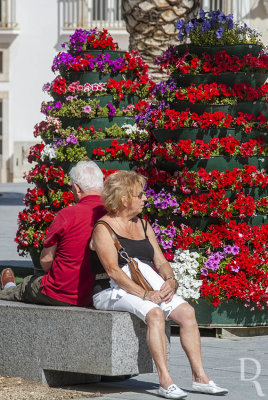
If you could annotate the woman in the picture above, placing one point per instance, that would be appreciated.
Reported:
(123, 197)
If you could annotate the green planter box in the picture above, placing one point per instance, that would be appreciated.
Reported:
(90, 145)
(201, 108)
(202, 223)
(229, 313)
(116, 164)
(239, 50)
(247, 107)
(35, 256)
(206, 135)
(253, 108)
(103, 99)
(229, 78)
(220, 163)
(99, 122)
(255, 192)
(114, 54)
(108, 98)
(93, 77)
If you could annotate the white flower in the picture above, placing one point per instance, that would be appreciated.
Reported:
(185, 267)
(49, 152)
(133, 129)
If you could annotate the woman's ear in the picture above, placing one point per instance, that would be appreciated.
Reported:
(124, 201)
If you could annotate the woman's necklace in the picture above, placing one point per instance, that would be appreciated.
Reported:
(130, 233)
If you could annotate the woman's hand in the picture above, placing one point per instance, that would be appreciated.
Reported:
(168, 290)
(155, 296)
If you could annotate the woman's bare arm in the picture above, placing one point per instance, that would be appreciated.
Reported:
(162, 265)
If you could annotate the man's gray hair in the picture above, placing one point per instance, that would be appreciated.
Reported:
(87, 175)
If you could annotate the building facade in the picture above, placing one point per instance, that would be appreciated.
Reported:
(31, 33)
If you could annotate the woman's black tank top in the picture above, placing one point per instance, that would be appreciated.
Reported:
(142, 249)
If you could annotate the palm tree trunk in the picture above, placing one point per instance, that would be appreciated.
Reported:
(150, 24)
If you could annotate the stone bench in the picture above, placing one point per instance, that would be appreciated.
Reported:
(68, 345)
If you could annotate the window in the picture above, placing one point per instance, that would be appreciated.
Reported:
(100, 10)
(1, 129)
(4, 63)
(91, 13)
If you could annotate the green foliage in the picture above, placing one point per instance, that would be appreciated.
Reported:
(71, 153)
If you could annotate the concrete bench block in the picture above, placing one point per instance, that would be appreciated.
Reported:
(55, 345)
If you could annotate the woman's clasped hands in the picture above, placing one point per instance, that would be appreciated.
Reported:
(165, 294)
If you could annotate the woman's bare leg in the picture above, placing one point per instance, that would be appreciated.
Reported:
(157, 344)
(184, 315)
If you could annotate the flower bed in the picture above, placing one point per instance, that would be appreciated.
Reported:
(207, 181)
(214, 93)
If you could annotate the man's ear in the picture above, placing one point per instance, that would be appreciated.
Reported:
(77, 188)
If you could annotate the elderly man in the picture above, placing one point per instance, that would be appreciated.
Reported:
(65, 256)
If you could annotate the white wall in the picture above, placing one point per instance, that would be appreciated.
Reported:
(31, 54)
(259, 17)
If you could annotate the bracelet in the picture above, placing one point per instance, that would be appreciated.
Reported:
(171, 277)
(174, 279)
(145, 294)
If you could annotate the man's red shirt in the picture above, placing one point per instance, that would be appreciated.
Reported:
(70, 278)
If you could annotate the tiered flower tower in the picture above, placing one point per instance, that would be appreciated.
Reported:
(205, 155)
(92, 111)
(208, 175)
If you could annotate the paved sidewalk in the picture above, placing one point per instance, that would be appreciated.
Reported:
(223, 365)
(11, 196)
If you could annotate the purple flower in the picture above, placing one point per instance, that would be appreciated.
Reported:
(62, 60)
(46, 87)
(180, 24)
(157, 229)
(79, 38)
(112, 109)
(58, 143)
(87, 109)
(230, 21)
(228, 249)
(235, 268)
(235, 250)
(48, 108)
(68, 98)
(189, 27)
(204, 271)
(167, 244)
(222, 18)
(91, 64)
(180, 36)
(71, 139)
(202, 13)
(210, 264)
(58, 105)
(206, 26)
(219, 33)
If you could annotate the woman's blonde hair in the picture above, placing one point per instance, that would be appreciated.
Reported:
(118, 185)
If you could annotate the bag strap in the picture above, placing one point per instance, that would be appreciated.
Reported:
(115, 239)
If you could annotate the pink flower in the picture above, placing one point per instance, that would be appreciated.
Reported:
(87, 109)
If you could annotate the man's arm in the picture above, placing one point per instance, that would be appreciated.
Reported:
(47, 256)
